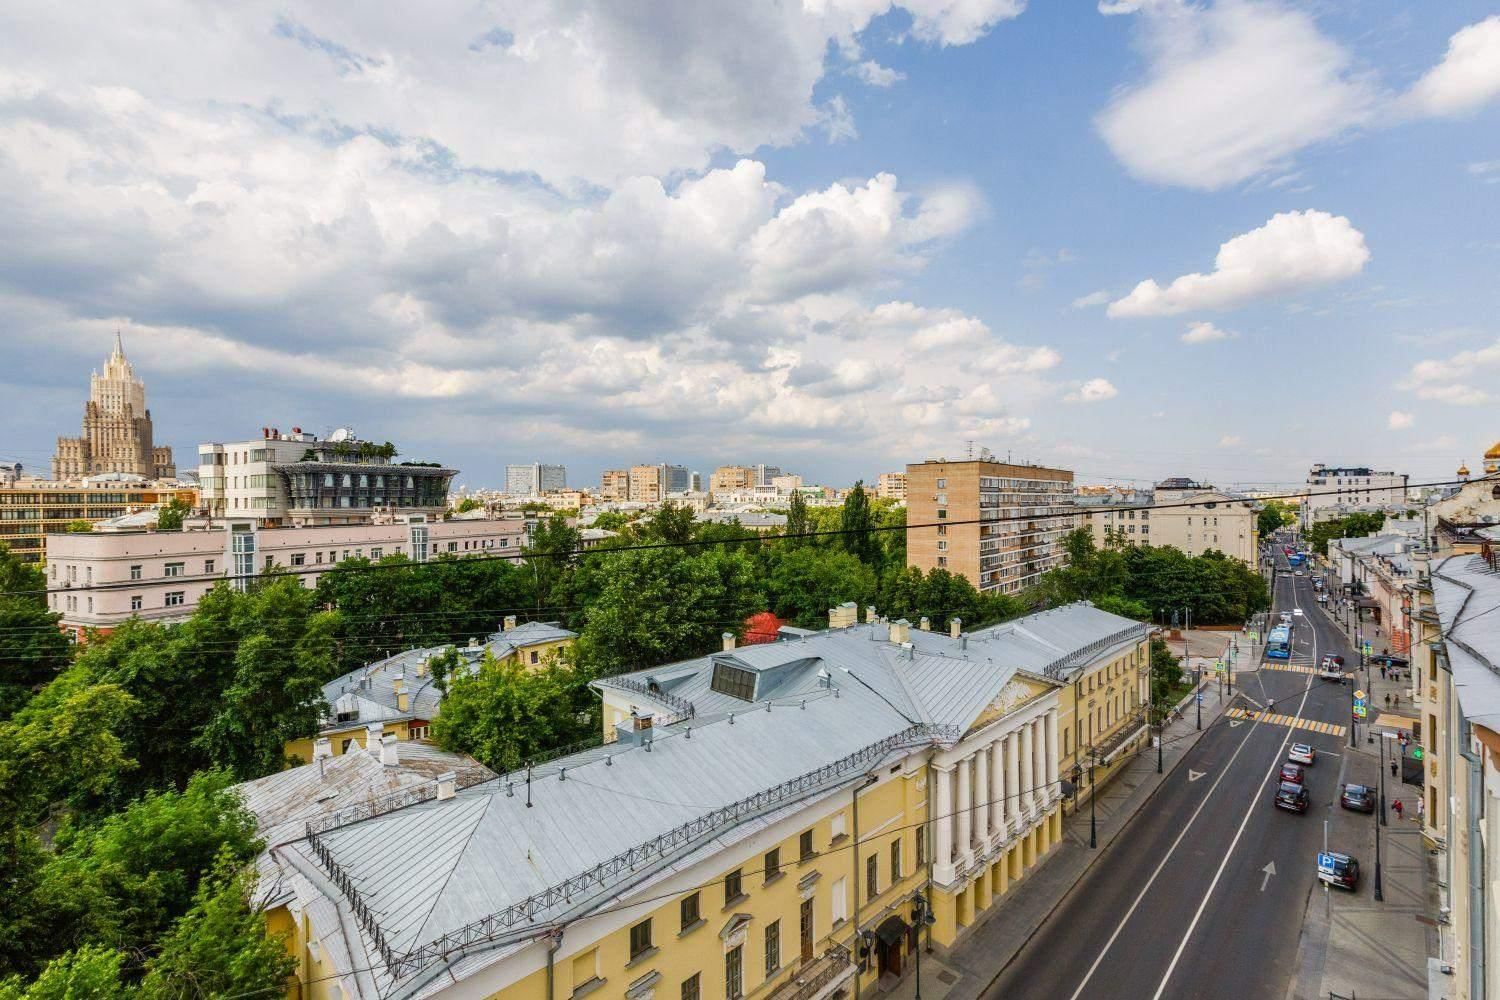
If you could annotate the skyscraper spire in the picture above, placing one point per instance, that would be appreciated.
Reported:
(119, 346)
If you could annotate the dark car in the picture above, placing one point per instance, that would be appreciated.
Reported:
(1359, 798)
(1338, 869)
(1291, 773)
(1291, 796)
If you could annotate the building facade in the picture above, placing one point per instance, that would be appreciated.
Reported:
(31, 510)
(891, 486)
(1193, 519)
(534, 479)
(105, 578)
(1349, 486)
(1005, 523)
(760, 825)
(614, 484)
(731, 479)
(117, 431)
(647, 483)
(298, 479)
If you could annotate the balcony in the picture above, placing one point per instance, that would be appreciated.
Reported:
(817, 979)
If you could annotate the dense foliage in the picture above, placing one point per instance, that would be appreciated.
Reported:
(1349, 526)
(169, 516)
(1274, 514)
(32, 649)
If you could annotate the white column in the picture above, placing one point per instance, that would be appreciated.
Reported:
(1028, 776)
(1013, 803)
(965, 811)
(982, 798)
(1039, 763)
(942, 858)
(997, 789)
(1054, 759)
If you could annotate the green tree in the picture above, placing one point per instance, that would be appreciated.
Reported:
(220, 947)
(550, 557)
(32, 651)
(467, 504)
(21, 579)
(169, 517)
(796, 520)
(855, 523)
(1273, 514)
(79, 526)
(805, 582)
(504, 714)
(90, 973)
(62, 744)
(670, 523)
(1168, 686)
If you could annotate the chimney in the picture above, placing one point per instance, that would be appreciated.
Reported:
(925, 624)
(844, 615)
(901, 631)
(389, 755)
(634, 731)
(322, 748)
(508, 624)
(373, 732)
(398, 683)
(955, 626)
(265, 432)
(403, 701)
(870, 615)
(728, 638)
(422, 667)
(447, 785)
(296, 430)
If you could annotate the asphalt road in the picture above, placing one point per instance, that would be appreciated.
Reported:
(1184, 902)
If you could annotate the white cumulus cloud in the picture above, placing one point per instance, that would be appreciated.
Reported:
(1231, 441)
(1095, 390)
(1468, 76)
(1292, 250)
(876, 75)
(1092, 299)
(1448, 380)
(1204, 333)
(1399, 421)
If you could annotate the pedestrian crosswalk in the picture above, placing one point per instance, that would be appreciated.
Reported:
(1294, 721)
(1294, 668)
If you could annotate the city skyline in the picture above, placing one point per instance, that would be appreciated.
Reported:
(830, 252)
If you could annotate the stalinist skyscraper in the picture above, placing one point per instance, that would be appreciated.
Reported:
(116, 429)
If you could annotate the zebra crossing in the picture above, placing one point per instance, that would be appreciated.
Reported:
(1293, 721)
(1294, 668)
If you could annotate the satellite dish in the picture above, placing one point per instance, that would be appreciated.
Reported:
(342, 434)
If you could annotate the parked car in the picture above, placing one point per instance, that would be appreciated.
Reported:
(1297, 572)
(1331, 668)
(1300, 753)
(1338, 869)
(1357, 798)
(1291, 796)
(1291, 773)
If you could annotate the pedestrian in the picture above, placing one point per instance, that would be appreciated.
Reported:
(1397, 806)
(1382, 672)
(1387, 699)
(1393, 767)
(1421, 809)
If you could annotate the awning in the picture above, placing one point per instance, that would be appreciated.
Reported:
(1368, 602)
(891, 930)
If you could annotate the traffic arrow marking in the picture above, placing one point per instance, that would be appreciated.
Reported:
(1195, 775)
(1234, 722)
(1269, 869)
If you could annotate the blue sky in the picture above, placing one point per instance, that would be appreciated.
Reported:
(838, 236)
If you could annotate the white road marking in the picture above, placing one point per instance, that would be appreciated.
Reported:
(1269, 869)
(1195, 775)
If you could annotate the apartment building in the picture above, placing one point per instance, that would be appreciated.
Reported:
(997, 524)
(1349, 487)
(1179, 512)
(108, 577)
(647, 483)
(534, 479)
(32, 509)
(299, 479)
(779, 818)
(732, 479)
(891, 486)
(614, 484)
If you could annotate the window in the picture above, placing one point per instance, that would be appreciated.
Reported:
(734, 973)
(942, 530)
(896, 860)
(690, 911)
(805, 845)
(535, 656)
(942, 484)
(942, 562)
(733, 681)
(942, 513)
(175, 598)
(691, 988)
(208, 567)
(376, 553)
(732, 887)
(839, 898)
(585, 968)
(640, 939)
(299, 558)
(872, 876)
(836, 826)
(921, 847)
(773, 863)
(135, 602)
(172, 569)
(135, 572)
(773, 947)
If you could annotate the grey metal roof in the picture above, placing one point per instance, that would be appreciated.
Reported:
(1467, 594)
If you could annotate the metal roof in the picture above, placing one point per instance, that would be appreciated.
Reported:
(1467, 594)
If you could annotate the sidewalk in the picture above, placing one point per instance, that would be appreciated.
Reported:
(968, 969)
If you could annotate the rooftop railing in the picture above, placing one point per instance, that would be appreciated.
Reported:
(1057, 666)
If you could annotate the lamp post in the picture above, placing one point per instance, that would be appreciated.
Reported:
(921, 916)
(1384, 737)
(1198, 694)
(1379, 888)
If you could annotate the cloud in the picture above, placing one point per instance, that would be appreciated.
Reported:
(1292, 250)
(1008, 359)
(1399, 421)
(1487, 170)
(1205, 333)
(1232, 91)
(1231, 441)
(836, 120)
(1095, 390)
(1467, 78)
(876, 75)
(1456, 393)
(1446, 380)
(958, 22)
(1092, 299)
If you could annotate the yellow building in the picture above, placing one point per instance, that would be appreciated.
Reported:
(398, 697)
(762, 824)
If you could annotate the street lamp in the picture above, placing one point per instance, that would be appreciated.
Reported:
(921, 916)
(1198, 693)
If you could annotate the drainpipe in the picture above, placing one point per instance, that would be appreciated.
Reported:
(554, 942)
(854, 864)
(1477, 903)
(928, 832)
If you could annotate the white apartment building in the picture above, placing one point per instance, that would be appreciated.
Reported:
(108, 577)
(1180, 513)
(299, 479)
(1349, 486)
(534, 479)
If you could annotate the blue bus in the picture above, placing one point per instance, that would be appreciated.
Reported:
(1296, 560)
(1279, 643)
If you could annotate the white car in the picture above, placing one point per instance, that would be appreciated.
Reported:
(1300, 753)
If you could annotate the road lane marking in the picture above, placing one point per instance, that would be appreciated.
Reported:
(1195, 775)
(1269, 869)
(1255, 801)
(1162, 865)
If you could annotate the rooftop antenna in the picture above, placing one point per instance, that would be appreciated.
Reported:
(971, 448)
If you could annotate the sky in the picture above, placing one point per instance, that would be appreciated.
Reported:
(1143, 239)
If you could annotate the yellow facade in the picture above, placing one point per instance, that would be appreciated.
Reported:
(1103, 706)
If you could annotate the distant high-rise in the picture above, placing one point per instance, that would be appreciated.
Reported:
(534, 479)
(116, 429)
(765, 473)
(677, 478)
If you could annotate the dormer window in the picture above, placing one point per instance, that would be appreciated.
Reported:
(733, 681)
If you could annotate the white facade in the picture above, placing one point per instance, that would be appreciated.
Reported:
(236, 479)
(1348, 486)
(533, 479)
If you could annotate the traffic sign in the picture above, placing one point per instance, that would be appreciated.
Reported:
(1359, 696)
(1200, 697)
(1325, 860)
(1360, 711)
(1416, 753)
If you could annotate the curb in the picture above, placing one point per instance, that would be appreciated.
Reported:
(1098, 855)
